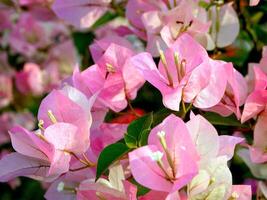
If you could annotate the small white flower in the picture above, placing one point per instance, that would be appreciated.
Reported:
(161, 134)
(60, 187)
(156, 156)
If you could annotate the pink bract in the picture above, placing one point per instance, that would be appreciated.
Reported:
(186, 74)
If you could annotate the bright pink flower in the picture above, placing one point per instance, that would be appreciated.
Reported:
(162, 22)
(81, 13)
(99, 47)
(112, 77)
(30, 79)
(70, 106)
(35, 157)
(64, 116)
(257, 100)
(185, 73)
(234, 96)
(169, 161)
(106, 134)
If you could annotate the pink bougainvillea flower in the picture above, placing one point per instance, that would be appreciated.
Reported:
(185, 73)
(214, 177)
(254, 2)
(66, 185)
(64, 116)
(241, 192)
(161, 22)
(257, 169)
(27, 35)
(107, 133)
(169, 161)
(6, 91)
(113, 77)
(5, 15)
(59, 64)
(81, 13)
(234, 96)
(258, 152)
(30, 79)
(99, 47)
(203, 133)
(214, 181)
(257, 99)
(115, 188)
(71, 106)
(35, 157)
(252, 77)
(10, 119)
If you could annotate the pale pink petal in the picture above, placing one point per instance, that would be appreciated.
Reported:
(30, 144)
(151, 176)
(242, 192)
(227, 145)
(15, 164)
(254, 2)
(213, 93)
(254, 104)
(205, 137)
(80, 13)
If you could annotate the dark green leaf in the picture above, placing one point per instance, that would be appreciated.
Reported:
(109, 155)
(143, 137)
(130, 141)
(217, 119)
(108, 16)
(136, 128)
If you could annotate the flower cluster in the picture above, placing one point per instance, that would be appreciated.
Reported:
(90, 140)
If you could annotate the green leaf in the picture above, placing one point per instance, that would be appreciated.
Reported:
(108, 16)
(108, 156)
(143, 137)
(204, 4)
(135, 129)
(217, 119)
(130, 141)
